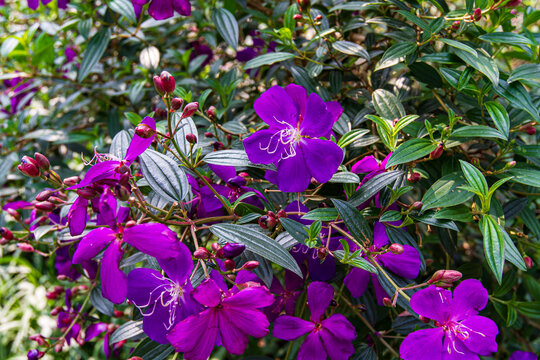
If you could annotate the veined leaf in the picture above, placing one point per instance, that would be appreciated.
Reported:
(94, 51)
(373, 186)
(493, 245)
(268, 59)
(411, 150)
(500, 117)
(226, 25)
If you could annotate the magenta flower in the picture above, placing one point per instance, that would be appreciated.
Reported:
(286, 295)
(330, 337)
(153, 239)
(459, 333)
(163, 9)
(291, 142)
(523, 355)
(20, 93)
(34, 4)
(406, 264)
(167, 300)
(371, 167)
(229, 319)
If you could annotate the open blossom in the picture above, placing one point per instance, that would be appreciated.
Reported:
(229, 319)
(291, 143)
(331, 337)
(286, 295)
(163, 9)
(166, 300)
(406, 264)
(460, 334)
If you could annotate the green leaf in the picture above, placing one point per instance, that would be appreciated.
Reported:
(390, 215)
(351, 137)
(525, 72)
(356, 262)
(345, 177)
(511, 253)
(526, 175)
(124, 8)
(445, 192)
(164, 176)
(353, 219)
(323, 214)
(268, 59)
(258, 243)
(349, 6)
(385, 130)
(374, 185)
(530, 309)
(474, 177)
(493, 245)
(506, 38)
(8, 45)
(233, 158)
(480, 131)
(297, 230)
(500, 117)
(458, 45)
(226, 25)
(149, 349)
(101, 304)
(415, 19)
(411, 150)
(517, 96)
(288, 20)
(482, 63)
(430, 219)
(398, 50)
(387, 105)
(403, 122)
(94, 51)
(183, 127)
(131, 330)
(120, 144)
(528, 215)
(458, 213)
(350, 48)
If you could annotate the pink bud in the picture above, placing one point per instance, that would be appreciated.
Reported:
(191, 138)
(477, 14)
(158, 85)
(444, 278)
(87, 193)
(202, 254)
(6, 233)
(297, 16)
(208, 134)
(456, 25)
(413, 177)
(144, 131)
(13, 213)
(190, 109)
(435, 154)
(511, 164)
(387, 302)
(303, 4)
(46, 206)
(29, 167)
(229, 264)
(70, 181)
(423, 319)
(250, 265)
(24, 247)
(44, 195)
(528, 262)
(417, 205)
(42, 161)
(211, 112)
(167, 81)
(513, 3)
(282, 214)
(176, 103)
(396, 249)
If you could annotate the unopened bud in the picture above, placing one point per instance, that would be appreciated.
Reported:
(13, 213)
(46, 206)
(131, 223)
(215, 247)
(167, 81)
(281, 214)
(513, 3)
(211, 112)
(229, 264)
(144, 131)
(396, 249)
(318, 17)
(176, 103)
(456, 25)
(528, 262)
(34, 354)
(477, 14)
(417, 205)
(24, 247)
(321, 253)
(531, 130)
(232, 250)
(191, 138)
(87, 193)
(423, 319)
(229, 138)
(444, 278)
(70, 181)
(42, 161)
(303, 4)
(160, 113)
(250, 265)
(6, 233)
(510, 164)
(122, 193)
(262, 221)
(413, 177)
(190, 109)
(158, 85)
(297, 17)
(218, 145)
(435, 154)
(118, 313)
(387, 302)
(58, 347)
(135, 358)
(202, 254)
(56, 310)
(38, 338)
(208, 134)
(29, 167)
(44, 195)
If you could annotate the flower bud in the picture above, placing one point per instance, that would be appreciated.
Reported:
(211, 112)
(229, 264)
(167, 81)
(281, 214)
(510, 164)
(158, 85)
(58, 347)
(6, 233)
(46, 206)
(297, 17)
(250, 265)
(456, 25)
(232, 250)
(218, 145)
(528, 262)
(144, 131)
(34, 354)
(387, 302)
(191, 138)
(215, 247)
(122, 193)
(318, 17)
(321, 253)
(24, 247)
(13, 213)
(118, 313)
(208, 134)
(70, 181)
(413, 177)
(56, 310)
(202, 254)
(38, 338)
(160, 113)
(42, 161)
(29, 167)
(513, 3)
(531, 130)
(396, 249)
(444, 278)
(417, 205)
(477, 14)
(423, 319)
(149, 57)
(87, 193)
(435, 154)
(135, 358)
(176, 103)
(243, 174)
(190, 109)
(229, 138)
(237, 181)
(262, 221)
(44, 195)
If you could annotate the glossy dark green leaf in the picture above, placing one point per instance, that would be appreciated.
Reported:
(374, 185)
(101, 304)
(398, 50)
(226, 25)
(232, 158)
(479, 131)
(345, 177)
(474, 177)
(130, 330)
(493, 245)
(517, 96)
(482, 63)
(526, 175)
(500, 117)
(387, 104)
(411, 150)
(149, 349)
(323, 214)
(268, 59)
(350, 48)
(525, 72)
(353, 219)
(445, 192)
(511, 253)
(356, 262)
(124, 8)
(94, 51)
(506, 38)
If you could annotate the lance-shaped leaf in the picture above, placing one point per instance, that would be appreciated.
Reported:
(446, 192)
(374, 185)
(353, 219)
(94, 51)
(493, 245)
(226, 25)
(411, 150)
(233, 158)
(475, 178)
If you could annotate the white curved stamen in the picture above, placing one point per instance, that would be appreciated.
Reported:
(290, 137)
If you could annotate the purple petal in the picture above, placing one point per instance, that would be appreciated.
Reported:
(336, 345)
(321, 271)
(92, 244)
(178, 268)
(154, 239)
(161, 9)
(100, 171)
(143, 286)
(291, 328)
(424, 344)
(312, 348)
(254, 297)
(433, 303)
(138, 145)
(292, 281)
(94, 330)
(264, 146)
(250, 322)
(469, 298)
(480, 335)
(523, 355)
(317, 120)
(33, 4)
(366, 165)
(62, 4)
(323, 158)
(183, 7)
(293, 174)
(77, 215)
(208, 293)
(454, 349)
(335, 110)
(276, 108)
(196, 335)
(379, 235)
(406, 264)
(244, 276)
(382, 165)
(299, 97)
(232, 338)
(113, 280)
(246, 54)
(319, 296)
(107, 208)
(159, 319)
(380, 293)
(340, 326)
(137, 8)
(223, 172)
(297, 206)
(16, 205)
(357, 281)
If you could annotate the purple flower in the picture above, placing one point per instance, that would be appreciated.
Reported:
(286, 296)
(291, 142)
(523, 355)
(370, 166)
(229, 319)
(163, 9)
(459, 333)
(198, 49)
(63, 265)
(34, 4)
(94, 330)
(153, 239)
(406, 264)
(70, 54)
(167, 300)
(331, 337)
(20, 93)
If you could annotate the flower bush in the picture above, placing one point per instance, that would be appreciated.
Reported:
(269, 180)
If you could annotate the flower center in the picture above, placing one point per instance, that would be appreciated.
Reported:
(286, 140)
(454, 330)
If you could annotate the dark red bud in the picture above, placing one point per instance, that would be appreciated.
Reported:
(528, 262)
(250, 265)
(42, 161)
(297, 16)
(282, 214)
(477, 14)
(191, 138)
(13, 213)
(318, 17)
(387, 302)
(38, 338)
(456, 25)
(176, 103)
(46, 206)
(435, 154)
(413, 177)
(228, 137)
(29, 168)
(44, 195)
(531, 130)
(215, 247)
(118, 313)
(211, 112)
(208, 134)
(87, 193)
(444, 278)
(6, 233)
(58, 347)
(321, 253)
(56, 310)
(158, 85)
(229, 264)
(167, 81)
(232, 250)
(513, 3)
(417, 205)
(202, 254)
(190, 109)
(396, 249)
(24, 247)
(160, 113)
(122, 169)
(144, 131)
(70, 181)
(262, 222)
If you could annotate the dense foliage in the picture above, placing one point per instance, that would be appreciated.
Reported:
(269, 180)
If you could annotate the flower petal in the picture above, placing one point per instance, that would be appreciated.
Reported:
(337, 347)
(338, 325)
(299, 97)
(380, 238)
(178, 268)
(290, 328)
(433, 302)
(454, 349)
(255, 297)
(292, 173)
(366, 165)
(92, 244)
(99, 171)
(523, 355)
(153, 239)
(319, 296)
(161, 10)
(250, 322)
(426, 344)
(312, 348)
(94, 330)
(158, 320)
(183, 7)
(357, 281)
(321, 270)
(196, 335)
(138, 145)
(317, 120)
(77, 215)
(406, 264)
(232, 337)
(144, 285)
(322, 157)
(470, 297)
(208, 293)
(480, 333)
(223, 172)
(276, 108)
(264, 146)
(113, 280)
(107, 208)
